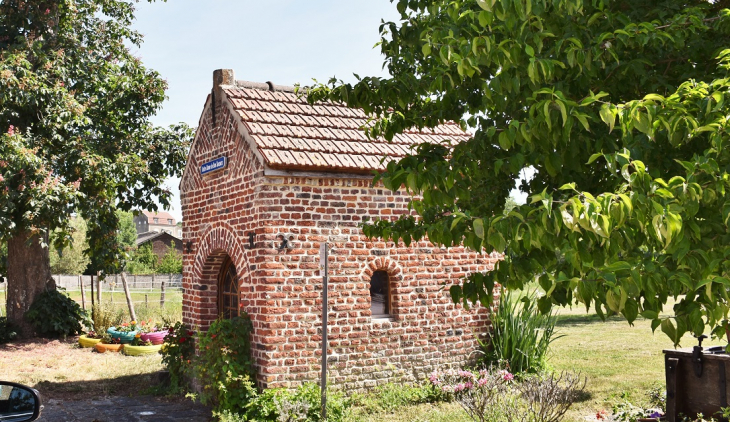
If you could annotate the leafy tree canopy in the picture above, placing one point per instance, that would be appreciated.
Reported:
(75, 134)
(618, 106)
(127, 233)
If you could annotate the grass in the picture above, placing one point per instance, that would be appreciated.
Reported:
(62, 371)
(146, 304)
(620, 362)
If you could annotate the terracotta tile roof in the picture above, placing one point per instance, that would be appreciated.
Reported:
(293, 135)
(162, 217)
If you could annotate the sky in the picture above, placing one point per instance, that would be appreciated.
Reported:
(285, 42)
(282, 41)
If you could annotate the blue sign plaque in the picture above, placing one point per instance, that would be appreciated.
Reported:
(215, 165)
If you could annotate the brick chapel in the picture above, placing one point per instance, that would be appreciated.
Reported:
(268, 178)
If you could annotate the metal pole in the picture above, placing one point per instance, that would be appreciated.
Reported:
(324, 255)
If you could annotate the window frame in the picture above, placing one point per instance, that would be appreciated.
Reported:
(388, 296)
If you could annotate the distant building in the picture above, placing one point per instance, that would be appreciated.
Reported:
(160, 242)
(159, 222)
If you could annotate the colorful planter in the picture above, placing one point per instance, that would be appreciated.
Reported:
(88, 342)
(124, 337)
(140, 350)
(103, 348)
(157, 337)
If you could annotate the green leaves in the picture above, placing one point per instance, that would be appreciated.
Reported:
(73, 95)
(618, 135)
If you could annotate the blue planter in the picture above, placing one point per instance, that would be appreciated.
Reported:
(124, 337)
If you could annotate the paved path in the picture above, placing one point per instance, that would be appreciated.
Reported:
(124, 409)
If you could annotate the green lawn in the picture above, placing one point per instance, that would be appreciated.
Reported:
(146, 304)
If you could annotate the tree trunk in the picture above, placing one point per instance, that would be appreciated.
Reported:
(29, 275)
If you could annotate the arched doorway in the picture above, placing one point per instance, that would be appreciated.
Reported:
(228, 290)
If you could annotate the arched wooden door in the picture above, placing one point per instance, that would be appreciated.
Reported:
(228, 292)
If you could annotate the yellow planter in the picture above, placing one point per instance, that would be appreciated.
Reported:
(88, 342)
(130, 350)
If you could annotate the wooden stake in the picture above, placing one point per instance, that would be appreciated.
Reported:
(162, 294)
(98, 289)
(83, 296)
(129, 298)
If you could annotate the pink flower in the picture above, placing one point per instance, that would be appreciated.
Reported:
(508, 377)
(11, 130)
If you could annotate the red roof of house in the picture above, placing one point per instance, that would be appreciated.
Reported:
(162, 217)
(293, 135)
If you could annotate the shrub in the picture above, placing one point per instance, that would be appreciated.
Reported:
(491, 395)
(394, 395)
(521, 335)
(177, 354)
(54, 314)
(103, 317)
(279, 405)
(224, 367)
(482, 395)
(7, 331)
(546, 397)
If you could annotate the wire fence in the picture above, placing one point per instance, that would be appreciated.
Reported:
(163, 290)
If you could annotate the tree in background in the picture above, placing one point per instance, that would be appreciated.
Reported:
(142, 260)
(75, 135)
(171, 262)
(127, 232)
(72, 258)
(620, 107)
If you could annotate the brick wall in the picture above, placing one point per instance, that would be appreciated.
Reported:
(281, 288)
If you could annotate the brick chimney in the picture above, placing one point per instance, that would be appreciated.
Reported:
(220, 77)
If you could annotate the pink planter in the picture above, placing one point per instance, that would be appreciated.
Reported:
(155, 338)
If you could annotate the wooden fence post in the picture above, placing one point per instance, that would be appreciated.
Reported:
(98, 289)
(129, 298)
(92, 291)
(162, 294)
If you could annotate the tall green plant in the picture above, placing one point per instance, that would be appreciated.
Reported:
(224, 366)
(521, 334)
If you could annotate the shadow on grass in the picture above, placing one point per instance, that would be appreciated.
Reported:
(128, 385)
(585, 319)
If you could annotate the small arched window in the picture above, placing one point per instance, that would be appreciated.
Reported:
(228, 299)
(380, 294)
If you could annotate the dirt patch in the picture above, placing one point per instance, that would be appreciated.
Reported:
(61, 370)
